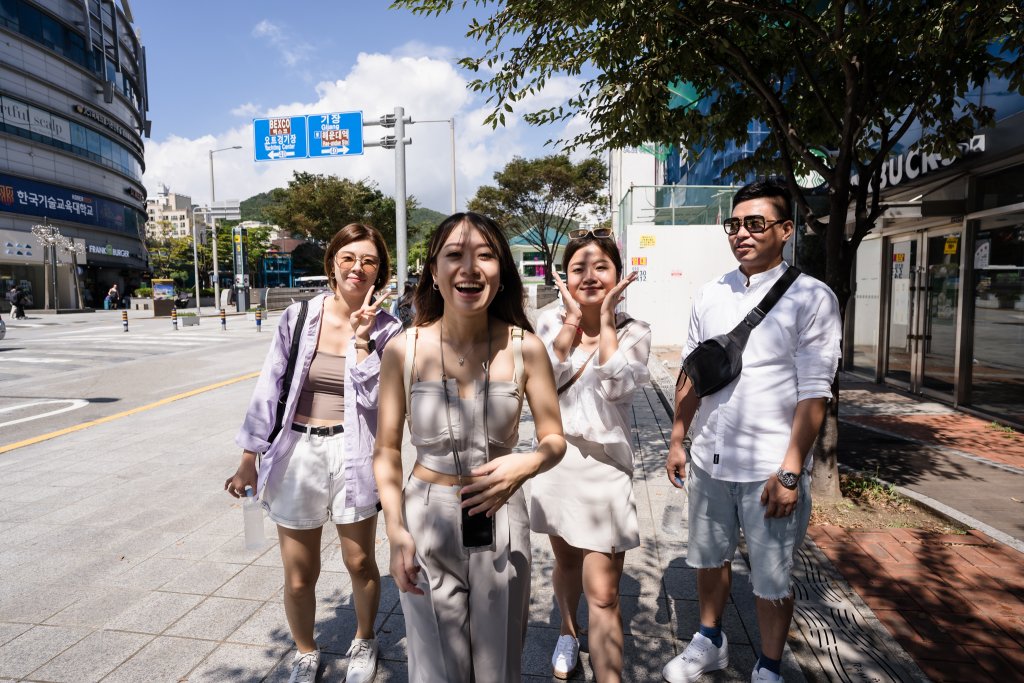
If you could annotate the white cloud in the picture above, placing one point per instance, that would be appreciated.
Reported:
(247, 110)
(292, 50)
(416, 48)
(428, 88)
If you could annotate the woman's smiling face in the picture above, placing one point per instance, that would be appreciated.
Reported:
(466, 270)
(591, 275)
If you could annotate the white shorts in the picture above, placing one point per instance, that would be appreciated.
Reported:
(306, 488)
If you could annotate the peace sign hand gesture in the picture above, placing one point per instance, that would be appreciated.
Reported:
(362, 319)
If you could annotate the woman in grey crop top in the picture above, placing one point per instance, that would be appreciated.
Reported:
(459, 534)
(317, 468)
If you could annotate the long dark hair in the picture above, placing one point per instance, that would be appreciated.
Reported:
(507, 305)
(357, 232)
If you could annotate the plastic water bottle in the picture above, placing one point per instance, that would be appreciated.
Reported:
(253, 515)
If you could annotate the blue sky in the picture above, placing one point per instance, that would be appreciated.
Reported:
(215, 65)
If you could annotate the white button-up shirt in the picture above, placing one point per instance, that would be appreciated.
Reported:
(741, 433)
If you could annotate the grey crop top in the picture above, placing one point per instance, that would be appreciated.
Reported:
(428, 424)
(323, 393)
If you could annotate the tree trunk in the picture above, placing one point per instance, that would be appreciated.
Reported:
(825, 473)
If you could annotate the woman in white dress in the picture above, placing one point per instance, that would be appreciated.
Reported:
(585, 504)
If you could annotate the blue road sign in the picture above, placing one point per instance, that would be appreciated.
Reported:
(285, 137)
(337, 134)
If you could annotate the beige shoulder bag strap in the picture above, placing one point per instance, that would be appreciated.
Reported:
(517, 358)
(410, 364)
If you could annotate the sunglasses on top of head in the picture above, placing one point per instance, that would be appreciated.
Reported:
(753, 224)
(600, 233)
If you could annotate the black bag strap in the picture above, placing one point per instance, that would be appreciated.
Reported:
(286, 381)
(741, 332)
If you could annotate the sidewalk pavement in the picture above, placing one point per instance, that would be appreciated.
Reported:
(955, 603)
(121, 559)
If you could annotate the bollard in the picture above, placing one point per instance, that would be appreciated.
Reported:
(259, 319)
(223, 321)
(124, 320)
(174, 319)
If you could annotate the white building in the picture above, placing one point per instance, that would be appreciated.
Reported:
(671, 235)
(168, 214)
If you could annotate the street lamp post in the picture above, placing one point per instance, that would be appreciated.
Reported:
(213, 228)
(76, 250)
(49, 235)
(195, 264)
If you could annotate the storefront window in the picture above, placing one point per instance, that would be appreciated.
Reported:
(997, 366)
(866, 306)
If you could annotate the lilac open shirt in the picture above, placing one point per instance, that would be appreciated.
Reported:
(361, 388)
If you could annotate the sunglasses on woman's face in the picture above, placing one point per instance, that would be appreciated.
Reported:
(600, 233)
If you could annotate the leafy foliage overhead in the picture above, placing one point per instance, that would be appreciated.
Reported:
(852, 78)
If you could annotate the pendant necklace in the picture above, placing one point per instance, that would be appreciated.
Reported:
(460, 357)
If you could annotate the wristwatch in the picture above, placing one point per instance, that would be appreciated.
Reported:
(787, 479)
(368, 346)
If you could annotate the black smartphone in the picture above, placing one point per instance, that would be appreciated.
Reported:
(478, 529)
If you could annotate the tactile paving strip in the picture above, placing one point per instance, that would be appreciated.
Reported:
(841, 632)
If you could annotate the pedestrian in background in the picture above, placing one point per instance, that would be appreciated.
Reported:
(319, 467)
(585, 503)
(113, 297)
(459, 533)
(751, 440)
(16, 297)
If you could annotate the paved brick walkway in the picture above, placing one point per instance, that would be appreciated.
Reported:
(955, 603)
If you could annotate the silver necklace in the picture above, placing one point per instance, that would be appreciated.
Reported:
(461, 357)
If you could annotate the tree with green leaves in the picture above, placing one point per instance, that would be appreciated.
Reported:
(317, 206)
(541, 199)
(855, 79)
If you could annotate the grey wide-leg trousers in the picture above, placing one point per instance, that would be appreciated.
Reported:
(470, 623)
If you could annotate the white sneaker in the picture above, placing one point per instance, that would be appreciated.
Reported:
(305, 666)
(566, 656)
(699, 657)
(763, 675)
(362, 662)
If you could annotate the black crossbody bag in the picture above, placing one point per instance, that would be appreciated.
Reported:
(717, 361)
(286, 381)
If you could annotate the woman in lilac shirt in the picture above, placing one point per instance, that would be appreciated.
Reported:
(318, 469)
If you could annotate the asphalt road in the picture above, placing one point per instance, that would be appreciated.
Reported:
(61, 371)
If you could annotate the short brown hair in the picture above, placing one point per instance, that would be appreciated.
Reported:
(357, 232)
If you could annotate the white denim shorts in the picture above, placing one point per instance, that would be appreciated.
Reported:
(719, 509)
(306, 488)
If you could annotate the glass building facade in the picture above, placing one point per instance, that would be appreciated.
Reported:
(72, 122)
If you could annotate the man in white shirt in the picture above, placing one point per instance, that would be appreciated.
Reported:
(751, 440)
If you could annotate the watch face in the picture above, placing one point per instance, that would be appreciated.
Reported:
(787, 479)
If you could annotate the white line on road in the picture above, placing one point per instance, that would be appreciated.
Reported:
(10, 359)
(76, 403)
